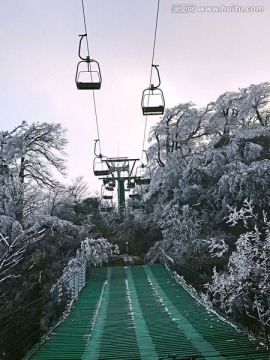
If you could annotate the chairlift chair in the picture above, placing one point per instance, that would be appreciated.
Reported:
(98, 167)
(153, 102)
(141, 178)
(88, 75)
(105, 208)
(131, 184)
(104, 193)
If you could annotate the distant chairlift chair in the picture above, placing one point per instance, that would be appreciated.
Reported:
(153, 102)
(141, 177)
(99, 167)
(105, 194)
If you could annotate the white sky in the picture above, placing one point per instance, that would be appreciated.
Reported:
(200, 56)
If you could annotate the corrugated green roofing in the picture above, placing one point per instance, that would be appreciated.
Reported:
(141, 312)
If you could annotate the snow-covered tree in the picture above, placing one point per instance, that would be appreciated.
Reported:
(208, 160)
(244, 285)
(27, 156)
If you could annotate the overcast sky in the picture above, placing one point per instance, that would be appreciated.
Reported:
(200, 56)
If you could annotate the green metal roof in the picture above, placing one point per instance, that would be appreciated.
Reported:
(141, 312)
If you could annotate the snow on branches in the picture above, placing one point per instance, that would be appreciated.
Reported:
(97, 251)
(13, 246)
(94, 251)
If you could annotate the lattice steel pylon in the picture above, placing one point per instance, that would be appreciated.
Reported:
(121, 171)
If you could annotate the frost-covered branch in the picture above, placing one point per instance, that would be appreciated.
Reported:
(217, 247)
(12, 250)
(244, 214)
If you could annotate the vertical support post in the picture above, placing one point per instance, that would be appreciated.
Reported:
(121, 195)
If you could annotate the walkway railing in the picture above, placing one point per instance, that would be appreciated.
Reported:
(77, 282)
(72, 283)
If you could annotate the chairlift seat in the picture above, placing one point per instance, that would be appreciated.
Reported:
(107, 197)
(101, 172)
(153, 110)
(109, 188)
(88, 85)
(143, 181)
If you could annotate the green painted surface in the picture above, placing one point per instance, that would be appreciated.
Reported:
(92, 348)
(144, 340)
(203, 346)
(141, 312)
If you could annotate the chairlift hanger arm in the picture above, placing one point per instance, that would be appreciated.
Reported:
(80, 45)
(87, 59)
(95, 148)
(95, 151)
(159, 81)
(146, 156)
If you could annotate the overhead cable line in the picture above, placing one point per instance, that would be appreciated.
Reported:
(93, 93)
(154, 45)
(151, 73)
